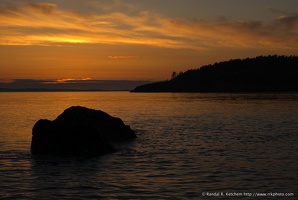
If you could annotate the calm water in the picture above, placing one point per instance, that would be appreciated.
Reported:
(187, 144)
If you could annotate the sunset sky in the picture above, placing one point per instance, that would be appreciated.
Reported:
(61, 40)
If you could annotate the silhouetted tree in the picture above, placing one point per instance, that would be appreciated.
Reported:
(174, 75)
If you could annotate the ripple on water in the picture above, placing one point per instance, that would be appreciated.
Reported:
(211, 143)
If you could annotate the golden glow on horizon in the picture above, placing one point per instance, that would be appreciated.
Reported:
(66, 80)
(62, 39)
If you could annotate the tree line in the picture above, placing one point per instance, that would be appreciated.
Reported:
(262, 73)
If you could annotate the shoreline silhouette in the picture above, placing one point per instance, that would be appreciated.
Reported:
(260, 74)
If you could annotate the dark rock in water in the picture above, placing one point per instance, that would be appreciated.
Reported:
(79, 131)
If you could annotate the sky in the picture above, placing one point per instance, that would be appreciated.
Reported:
(56, 40)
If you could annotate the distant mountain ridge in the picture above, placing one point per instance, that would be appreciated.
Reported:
(36, 85)
(260, 74)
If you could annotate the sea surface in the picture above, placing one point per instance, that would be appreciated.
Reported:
(189, 146)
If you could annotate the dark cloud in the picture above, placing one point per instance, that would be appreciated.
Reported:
(15, 8)
(275, 10)
(290, 21)
(46, 8)
(9, 9)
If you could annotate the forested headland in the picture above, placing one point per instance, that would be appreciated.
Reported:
(271, 73)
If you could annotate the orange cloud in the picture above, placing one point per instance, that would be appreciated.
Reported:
(67, 80)
(47, 24)
(123, 57)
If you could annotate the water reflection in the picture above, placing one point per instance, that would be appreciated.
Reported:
(236, 97)
(64, 177)
(187, 144)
